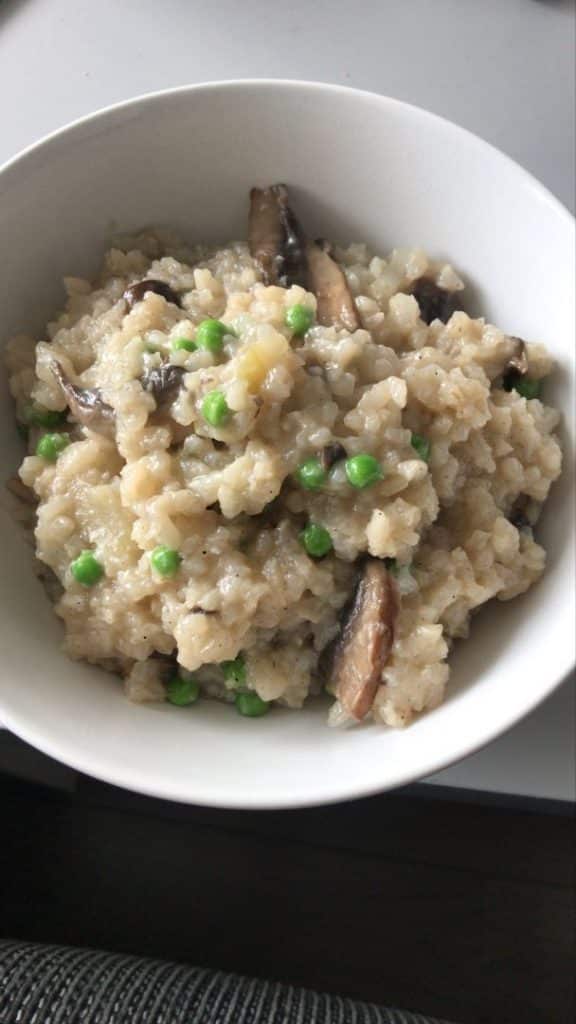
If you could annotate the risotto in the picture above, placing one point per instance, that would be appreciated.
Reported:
(279, 468)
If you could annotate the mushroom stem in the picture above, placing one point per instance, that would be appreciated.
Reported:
(336, 307)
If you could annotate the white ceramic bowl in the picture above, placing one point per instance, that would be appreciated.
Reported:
(361, 167)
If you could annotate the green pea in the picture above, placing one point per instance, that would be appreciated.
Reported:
(311, 474)
(234, 671)
(182, 691)
(392, 566)
(210, 335)
(251, 705)
(50, 445)
(363, 471)
(38, 416)
(86, 569)
(215, 408)
(299, 318)
(316, 540)
(528, 388)
(166, 561)
(421, 446)
(525, 386)
(184, 344)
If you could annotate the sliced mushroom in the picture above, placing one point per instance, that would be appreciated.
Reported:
(336, 307)
(519, 359)
(279, 245)
(136, 292)
(519, 514)
(365, 641)
(277, 241)
(163, 382)
(332, 453)
(86, 404)
(435, 303)
(517, 365)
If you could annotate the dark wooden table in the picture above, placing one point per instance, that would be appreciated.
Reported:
(433, 900)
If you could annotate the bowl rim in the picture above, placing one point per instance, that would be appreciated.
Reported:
(126, 778)
(294, 85)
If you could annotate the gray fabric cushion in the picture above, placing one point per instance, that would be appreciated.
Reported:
(59, 985)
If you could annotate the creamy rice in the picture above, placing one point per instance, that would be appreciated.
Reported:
(226, 498)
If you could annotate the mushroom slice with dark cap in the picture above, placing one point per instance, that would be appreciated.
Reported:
(136, 292)
(163, 382)
(335, 305)
(89, 408)
(277, 241)
(365, 640)
(279, 245)
(518, 360)
(435, 303)
(517, 365)
(519, 514)
(86, 404)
